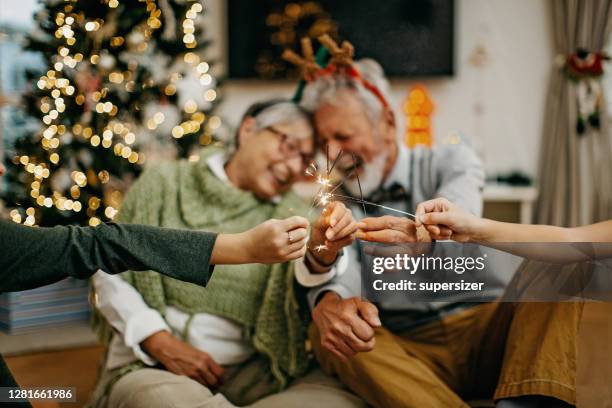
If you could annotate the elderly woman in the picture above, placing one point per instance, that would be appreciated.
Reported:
(176, 344)
(33, 257)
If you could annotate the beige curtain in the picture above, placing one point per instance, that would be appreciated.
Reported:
(575, 176)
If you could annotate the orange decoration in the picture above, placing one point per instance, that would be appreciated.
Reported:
(418, 109)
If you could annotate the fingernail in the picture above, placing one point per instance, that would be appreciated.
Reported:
(377, 321)
(332, 222)
(329, 234)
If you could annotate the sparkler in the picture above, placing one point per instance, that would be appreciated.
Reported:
(324, 199)
(323, 196)
(324, 181)
(326, 193)
(364, 202)
(312, 169)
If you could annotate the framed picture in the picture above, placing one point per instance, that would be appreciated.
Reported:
(409, 38)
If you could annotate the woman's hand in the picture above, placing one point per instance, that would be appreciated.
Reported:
(183, 359)
(276, 241)
(333, 230)
(445, 220)
(273, 241)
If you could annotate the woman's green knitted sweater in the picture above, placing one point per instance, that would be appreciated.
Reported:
(260, 297)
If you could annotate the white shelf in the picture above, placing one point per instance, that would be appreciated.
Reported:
(523, 196)
(504, 192)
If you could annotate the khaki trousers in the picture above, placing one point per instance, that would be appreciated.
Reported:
(157, 388)
(493, 350)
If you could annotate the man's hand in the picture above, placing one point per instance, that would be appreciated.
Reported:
(394, 230)
(332, 231)
(346, 326)
(183, 359)
(388, 229)
(273, 241)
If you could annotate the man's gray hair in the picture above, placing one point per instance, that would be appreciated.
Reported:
(324, 89)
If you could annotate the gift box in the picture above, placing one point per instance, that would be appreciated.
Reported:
(63, 302)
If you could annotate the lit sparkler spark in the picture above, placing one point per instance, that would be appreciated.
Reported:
(326, 193)
(311, 170)
(324, 198)
(324, 181)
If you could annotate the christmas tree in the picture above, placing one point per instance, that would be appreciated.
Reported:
(126, 83)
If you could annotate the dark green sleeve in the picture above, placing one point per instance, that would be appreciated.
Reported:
(32, 257)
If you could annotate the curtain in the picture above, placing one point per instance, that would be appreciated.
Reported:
(575, 175)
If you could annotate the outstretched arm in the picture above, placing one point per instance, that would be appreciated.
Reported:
(445, 220)
(33, 257)
(273, 241)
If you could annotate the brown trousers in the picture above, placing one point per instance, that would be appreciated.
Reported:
(497, 350)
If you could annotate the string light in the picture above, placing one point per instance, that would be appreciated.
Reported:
(60, 92)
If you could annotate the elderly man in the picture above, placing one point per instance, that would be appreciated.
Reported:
(243, 337)
(427, 354)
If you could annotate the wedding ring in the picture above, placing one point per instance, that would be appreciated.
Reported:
(289, 237)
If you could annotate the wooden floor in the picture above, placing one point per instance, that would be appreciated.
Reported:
(77, 368)
(594, 376)
(71, 368)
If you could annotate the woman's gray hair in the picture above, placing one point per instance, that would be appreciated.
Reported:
(324, 89)
(274, 112)
(283, 112)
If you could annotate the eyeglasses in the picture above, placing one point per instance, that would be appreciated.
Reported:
(290, 146)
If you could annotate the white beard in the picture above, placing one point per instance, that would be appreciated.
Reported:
(371, 178)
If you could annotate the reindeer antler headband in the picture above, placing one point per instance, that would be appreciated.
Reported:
(340, 63)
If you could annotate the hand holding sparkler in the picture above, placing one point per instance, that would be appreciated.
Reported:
(272, 241)
(333, 230)
(388, 229)
(445, 220)
(278, 240)
(394, 230)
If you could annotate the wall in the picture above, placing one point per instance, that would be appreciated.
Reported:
(499, 106)
(18, 12)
